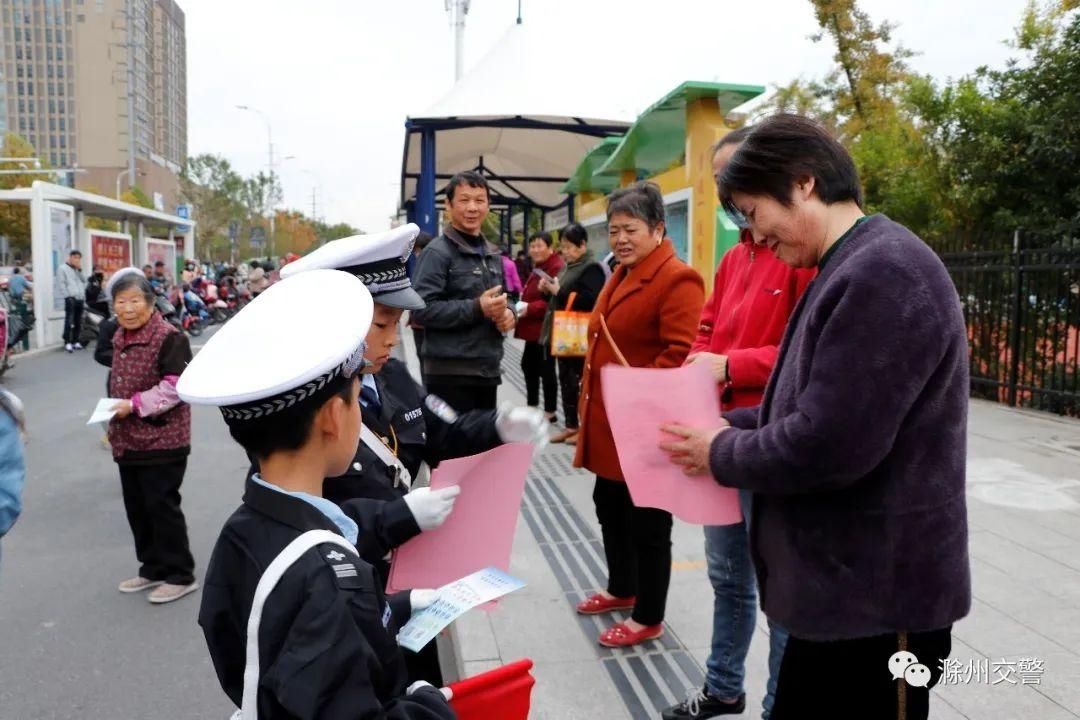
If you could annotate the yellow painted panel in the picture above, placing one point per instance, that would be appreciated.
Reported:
(671, 180)
(704, 126)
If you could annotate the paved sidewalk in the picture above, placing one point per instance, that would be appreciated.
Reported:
(1024, 509)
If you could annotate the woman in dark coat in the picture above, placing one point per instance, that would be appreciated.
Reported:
(151, 438)
(537, 364)
(856, 456)
(584, 279)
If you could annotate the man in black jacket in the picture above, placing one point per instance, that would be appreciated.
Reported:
(466, 313)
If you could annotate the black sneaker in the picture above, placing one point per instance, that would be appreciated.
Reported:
(700, 705)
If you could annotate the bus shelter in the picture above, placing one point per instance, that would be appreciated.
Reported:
(58, 225)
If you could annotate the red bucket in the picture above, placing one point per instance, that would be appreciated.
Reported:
(499, 694)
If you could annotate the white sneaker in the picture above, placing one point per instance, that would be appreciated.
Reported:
(78, 346)
(69, 347)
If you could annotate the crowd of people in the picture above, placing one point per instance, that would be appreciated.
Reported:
(839, 354)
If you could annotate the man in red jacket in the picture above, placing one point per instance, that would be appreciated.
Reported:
(739, 337)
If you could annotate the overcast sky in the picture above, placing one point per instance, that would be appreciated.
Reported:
(337, 78)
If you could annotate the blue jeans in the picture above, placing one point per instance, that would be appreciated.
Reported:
(731, 572)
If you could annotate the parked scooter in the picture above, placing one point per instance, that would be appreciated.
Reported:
(91, 324)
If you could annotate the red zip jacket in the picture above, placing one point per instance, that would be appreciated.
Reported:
(753, 296)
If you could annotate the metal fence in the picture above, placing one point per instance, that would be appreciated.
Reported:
(1021, 299)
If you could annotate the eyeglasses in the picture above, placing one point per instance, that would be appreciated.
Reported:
(737, 218)
(734, 216)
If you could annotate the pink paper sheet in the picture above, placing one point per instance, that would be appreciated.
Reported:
(479, 532)
(638, 402)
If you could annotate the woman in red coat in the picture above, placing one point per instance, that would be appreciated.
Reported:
(651, 306)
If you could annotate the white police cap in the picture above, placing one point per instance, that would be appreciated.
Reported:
(285, 347)
(378, 260)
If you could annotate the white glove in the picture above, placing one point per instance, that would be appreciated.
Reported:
(416, 686)
(421, 599)
(521, 424)
(431, 507)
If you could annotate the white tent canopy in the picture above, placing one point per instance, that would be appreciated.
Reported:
(518, 118)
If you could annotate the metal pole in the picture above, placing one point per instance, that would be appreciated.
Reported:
(458, 10)
(425, 186)
(269, 199)
(1014, 330)
(270, 194)
(129, 25)
(119, 177)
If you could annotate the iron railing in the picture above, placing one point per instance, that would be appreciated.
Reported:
(1021, 299)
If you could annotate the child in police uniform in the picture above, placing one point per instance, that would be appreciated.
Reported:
(404, 426)
(327, 642)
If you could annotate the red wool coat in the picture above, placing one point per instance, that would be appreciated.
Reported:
(753, 296)
(652, 312)
(529, 325)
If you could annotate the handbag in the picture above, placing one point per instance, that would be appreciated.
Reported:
(569, 331)
(249, 709)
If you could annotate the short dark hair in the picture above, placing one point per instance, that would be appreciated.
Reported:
(545, 236)
(784, 148)
(18, 270)
(575, 234)
(423, 239)
(641, 200)
(288, 429)
(128, 281)
(75, 253)
(734, 137)
(469, 178)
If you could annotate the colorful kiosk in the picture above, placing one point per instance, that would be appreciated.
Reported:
(671, 145)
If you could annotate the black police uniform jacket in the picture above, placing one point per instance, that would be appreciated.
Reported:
(327, 641)
(417, 433)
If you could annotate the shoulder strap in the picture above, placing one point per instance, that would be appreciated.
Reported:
(377, 446)
(249, 709)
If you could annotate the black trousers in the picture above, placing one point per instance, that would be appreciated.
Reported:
(637, 544)
(73, 310)
(868, 689)
(152, 502)
(462, 396)
(570, 370)
(538, 366)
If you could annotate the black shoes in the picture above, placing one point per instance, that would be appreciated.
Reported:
(699, 705)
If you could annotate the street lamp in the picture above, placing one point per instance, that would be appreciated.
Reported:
(270, 157)
(120, 177)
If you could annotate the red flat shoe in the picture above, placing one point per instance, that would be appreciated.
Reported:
(597, 603)
(620, 636)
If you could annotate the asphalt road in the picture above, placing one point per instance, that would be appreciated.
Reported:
(72, 646)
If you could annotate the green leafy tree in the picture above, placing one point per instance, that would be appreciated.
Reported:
(209, 183)
(325, 233)
(15, 217)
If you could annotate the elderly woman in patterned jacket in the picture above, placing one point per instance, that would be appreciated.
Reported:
(151, 437)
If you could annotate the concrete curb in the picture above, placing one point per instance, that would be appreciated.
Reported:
(28, 354)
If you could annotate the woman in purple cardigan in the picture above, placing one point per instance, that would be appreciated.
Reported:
(856, 455)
